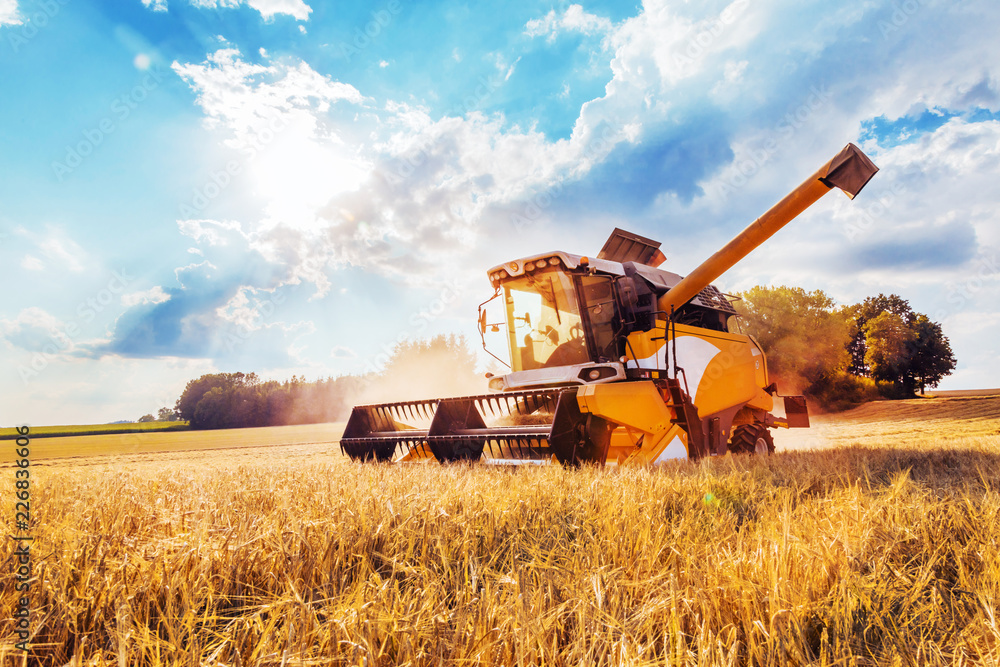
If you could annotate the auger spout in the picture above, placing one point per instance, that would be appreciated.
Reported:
(849, 170)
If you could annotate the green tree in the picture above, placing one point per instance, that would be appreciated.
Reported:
(234, 396)
(146, 418)
(441, 366)
(895, 345)
(214, 409)
(194, 391)
(931, 358)
(887, 343)
(167, 415)
(804, 334)
(861, 314)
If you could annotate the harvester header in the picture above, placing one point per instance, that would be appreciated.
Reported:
(612, 359)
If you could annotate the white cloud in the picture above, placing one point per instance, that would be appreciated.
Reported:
(57, 247)
(428, 183)
(155, 5)
(311, 169)
(238, 93)
(249, 308)
(195, 275)
(390, 190)
(212, 232)
(32, 263)
(574, 19)
(64, 250)
(35, 330)
(267, 8)
(153, 295)
(505, 68)
(9, 14)
(342, 352)
(283, 120)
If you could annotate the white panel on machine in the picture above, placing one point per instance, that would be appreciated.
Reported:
(693, 355)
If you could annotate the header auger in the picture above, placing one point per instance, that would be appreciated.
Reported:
(612, 360)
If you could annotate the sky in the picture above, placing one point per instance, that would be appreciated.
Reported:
(295, 187)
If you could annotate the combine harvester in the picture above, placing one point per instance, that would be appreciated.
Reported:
(612, 360)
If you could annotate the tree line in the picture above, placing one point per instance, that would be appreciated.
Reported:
(844, 355)
(443, 365)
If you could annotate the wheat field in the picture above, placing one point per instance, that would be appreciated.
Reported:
(873, 539)
(134, 447)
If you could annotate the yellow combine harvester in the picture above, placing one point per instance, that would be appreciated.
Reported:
(612, 360)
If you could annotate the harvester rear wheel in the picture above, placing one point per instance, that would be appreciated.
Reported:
(751, 439)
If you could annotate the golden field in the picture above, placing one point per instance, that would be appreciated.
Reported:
(873, 538)
(134, 447)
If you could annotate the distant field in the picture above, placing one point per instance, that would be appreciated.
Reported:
(131, 445)
(871, 539)
(964, 392)
(968, 414)
(95, 429)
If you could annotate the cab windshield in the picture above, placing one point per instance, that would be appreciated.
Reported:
(544, 322)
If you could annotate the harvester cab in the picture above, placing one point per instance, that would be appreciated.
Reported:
(612, 359)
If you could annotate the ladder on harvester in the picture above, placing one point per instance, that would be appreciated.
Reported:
(686, 416)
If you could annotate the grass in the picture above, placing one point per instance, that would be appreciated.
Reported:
(883, 548)
(95, 429)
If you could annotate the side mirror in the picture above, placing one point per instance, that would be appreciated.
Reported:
(482, 321)
(627, 292)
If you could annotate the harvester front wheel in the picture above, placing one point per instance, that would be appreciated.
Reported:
(751, 439)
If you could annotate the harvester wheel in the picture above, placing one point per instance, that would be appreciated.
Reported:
(751, 439)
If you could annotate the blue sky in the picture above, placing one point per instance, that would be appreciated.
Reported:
(290, 187)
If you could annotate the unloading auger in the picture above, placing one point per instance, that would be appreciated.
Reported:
(612, 360)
